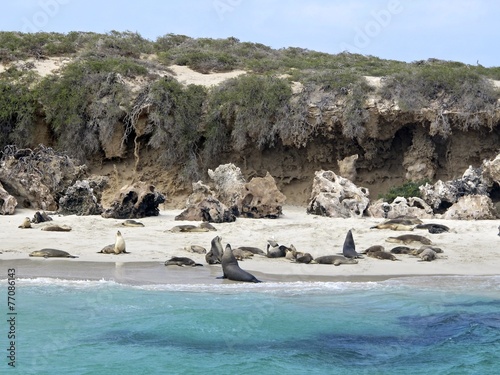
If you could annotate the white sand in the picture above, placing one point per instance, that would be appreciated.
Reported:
(470, 248)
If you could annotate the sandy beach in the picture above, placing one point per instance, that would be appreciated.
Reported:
(469, 248)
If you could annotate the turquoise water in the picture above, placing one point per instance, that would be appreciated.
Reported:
(424, 325)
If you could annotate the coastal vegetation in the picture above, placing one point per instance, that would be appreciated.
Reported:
(114, 81)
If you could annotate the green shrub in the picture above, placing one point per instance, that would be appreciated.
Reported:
(408, 190)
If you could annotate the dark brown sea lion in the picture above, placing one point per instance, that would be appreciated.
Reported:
(231, 269)
(349, 248)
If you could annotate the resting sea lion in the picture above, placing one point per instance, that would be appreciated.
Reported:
(241, 254)
(401, 250)
(182, 261)
(349, 248)
(51, 253)
(306, 258)
(188, 228)
(373, 248)
(422, 248)
(427, 255)
(26, 223)
(207, 226)
(252, 249)
(336, 260)
(395, 224)
(409, 238)
(434, 228)
(382, 255)
(132, 223)
(57, 228)
(41, 217)
(232, 271)
(214, 256)
(274, 250)
(196, 249)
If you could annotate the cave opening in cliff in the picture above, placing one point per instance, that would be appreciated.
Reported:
(495, 193)
(443, 207)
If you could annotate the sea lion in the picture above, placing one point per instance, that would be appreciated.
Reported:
(422, 248)
(349, 248)
(188, 228)
(51, 253)
(40, 217)
(274, 250)
(395, 224)
(409, 238)
(196, 249)
(26, 223)
(232, 271)
(182, 261)
(336, 260)
(427, 255)
(382, 255)
(252, 249)
(373, 249)
(433, 228)
(401, 250)
(214, 256)
(56, 228)
(208, 226)
(306, 258)
(241, 254)
(117, 248)
(132, 223)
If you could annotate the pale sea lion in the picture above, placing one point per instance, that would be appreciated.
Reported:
(26, 223)
(51, 253)
(196, 249)
(232, 271)
(336, 260)
(349, 248)
(409, 238)
(188, 228)
(182, 261)
(252, 249)
(214, 256)
(241, 254)
(132, 223)
(427, 255)
(382, 255)
(422, 248)
(56, 228)
(117, 248)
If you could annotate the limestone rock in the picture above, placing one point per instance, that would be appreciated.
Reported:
(412, 206)
(442, 195)
(347, 167)
(38, 177)
(135, 201)
(471, 207)
(8, 203)
(336, 196)
(229, 184)
(491, 171)
(80, 199)
(201, 205)
(262, 199)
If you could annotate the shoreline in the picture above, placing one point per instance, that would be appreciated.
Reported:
(469, 249)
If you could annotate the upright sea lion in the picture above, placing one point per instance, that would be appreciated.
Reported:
(214, 256)
(349, 248)
(336, 260)
(117, 248)
(382, 255)
(51, 253)
(56, 228)
(409, 238)
(182, 261)
(232, 271)
(40, 217)
(26, 223)
(132, 223)
(274, 250)
(434, 228)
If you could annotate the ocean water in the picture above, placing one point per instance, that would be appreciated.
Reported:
(416, 325)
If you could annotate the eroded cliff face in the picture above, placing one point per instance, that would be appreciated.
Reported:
(397, 147)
